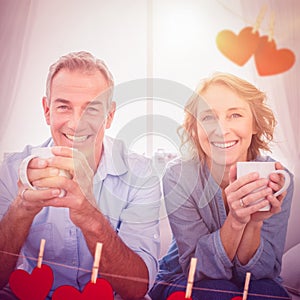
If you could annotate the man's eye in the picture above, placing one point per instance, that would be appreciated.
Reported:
(62, 108)
(92, 110)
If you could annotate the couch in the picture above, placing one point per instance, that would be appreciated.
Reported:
(291, 259)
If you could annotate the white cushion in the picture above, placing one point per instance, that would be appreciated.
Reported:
(290, 272)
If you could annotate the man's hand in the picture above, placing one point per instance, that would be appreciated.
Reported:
(79, 196)
(34, 200)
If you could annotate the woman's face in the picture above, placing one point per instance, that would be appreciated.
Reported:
(225, 126)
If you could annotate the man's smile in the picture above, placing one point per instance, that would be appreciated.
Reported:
(77, 139)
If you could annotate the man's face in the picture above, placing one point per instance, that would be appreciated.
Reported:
(77, 115)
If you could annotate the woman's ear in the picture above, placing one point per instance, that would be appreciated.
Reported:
(46, 110)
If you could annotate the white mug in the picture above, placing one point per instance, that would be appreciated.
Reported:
(264, 169)
(44, 152)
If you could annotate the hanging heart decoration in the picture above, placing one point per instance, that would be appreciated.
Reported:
(92, 291)
(271, 61)
(34, 286)
(238, 48)
(180, 295)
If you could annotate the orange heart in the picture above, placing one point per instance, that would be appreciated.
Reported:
(238, 48)
(34, 286)
(269, 60)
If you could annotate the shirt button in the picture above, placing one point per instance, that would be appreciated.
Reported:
(155, 236)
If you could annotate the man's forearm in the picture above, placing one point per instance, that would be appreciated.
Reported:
(118, 262)
(14, 229)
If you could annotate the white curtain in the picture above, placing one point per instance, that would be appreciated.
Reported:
(13, 29)
(283, 91)
(34, 33)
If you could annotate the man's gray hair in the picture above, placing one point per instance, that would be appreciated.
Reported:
(82, 61)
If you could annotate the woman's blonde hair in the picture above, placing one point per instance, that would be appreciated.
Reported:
(264, 119)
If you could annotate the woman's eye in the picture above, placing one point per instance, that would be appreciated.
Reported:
(207, 118)
(235, 115)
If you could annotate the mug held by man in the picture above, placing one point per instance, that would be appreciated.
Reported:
(43, 153)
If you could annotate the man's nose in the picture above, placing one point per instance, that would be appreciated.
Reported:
(75, 120)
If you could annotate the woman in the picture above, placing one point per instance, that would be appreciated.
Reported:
(225, 122)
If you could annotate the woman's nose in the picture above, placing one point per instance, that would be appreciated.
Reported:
(222, 127)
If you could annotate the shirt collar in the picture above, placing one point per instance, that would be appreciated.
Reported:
(113, 160)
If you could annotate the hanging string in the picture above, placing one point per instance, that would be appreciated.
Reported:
(234, 13)
(137, 279)
(249, 22)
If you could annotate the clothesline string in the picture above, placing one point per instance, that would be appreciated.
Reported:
(140, 279)
(249, 22)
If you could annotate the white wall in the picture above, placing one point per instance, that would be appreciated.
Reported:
(112, 30)
(182, 50)
(178, 46)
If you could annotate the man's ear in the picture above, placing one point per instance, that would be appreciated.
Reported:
(110, 115)
(46, 110)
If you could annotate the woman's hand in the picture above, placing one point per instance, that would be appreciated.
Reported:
(243, 196)
(276, 182)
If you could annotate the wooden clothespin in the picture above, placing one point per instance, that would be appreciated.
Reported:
(41, 253)
(271, 27)
(259, 18)
(190, 282)
(96, 262)
(246, 285)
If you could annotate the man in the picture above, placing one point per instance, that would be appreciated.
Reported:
(111, 196)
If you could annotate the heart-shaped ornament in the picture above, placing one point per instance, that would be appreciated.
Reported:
(92, 291)
(180, 295)
(271, 61)
(34, 286)
(238, 48)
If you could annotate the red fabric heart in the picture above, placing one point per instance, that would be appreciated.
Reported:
(238, 48)
(269, 60)
(178, 296)
(34, 286)
(92, 291)
(237, 298)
